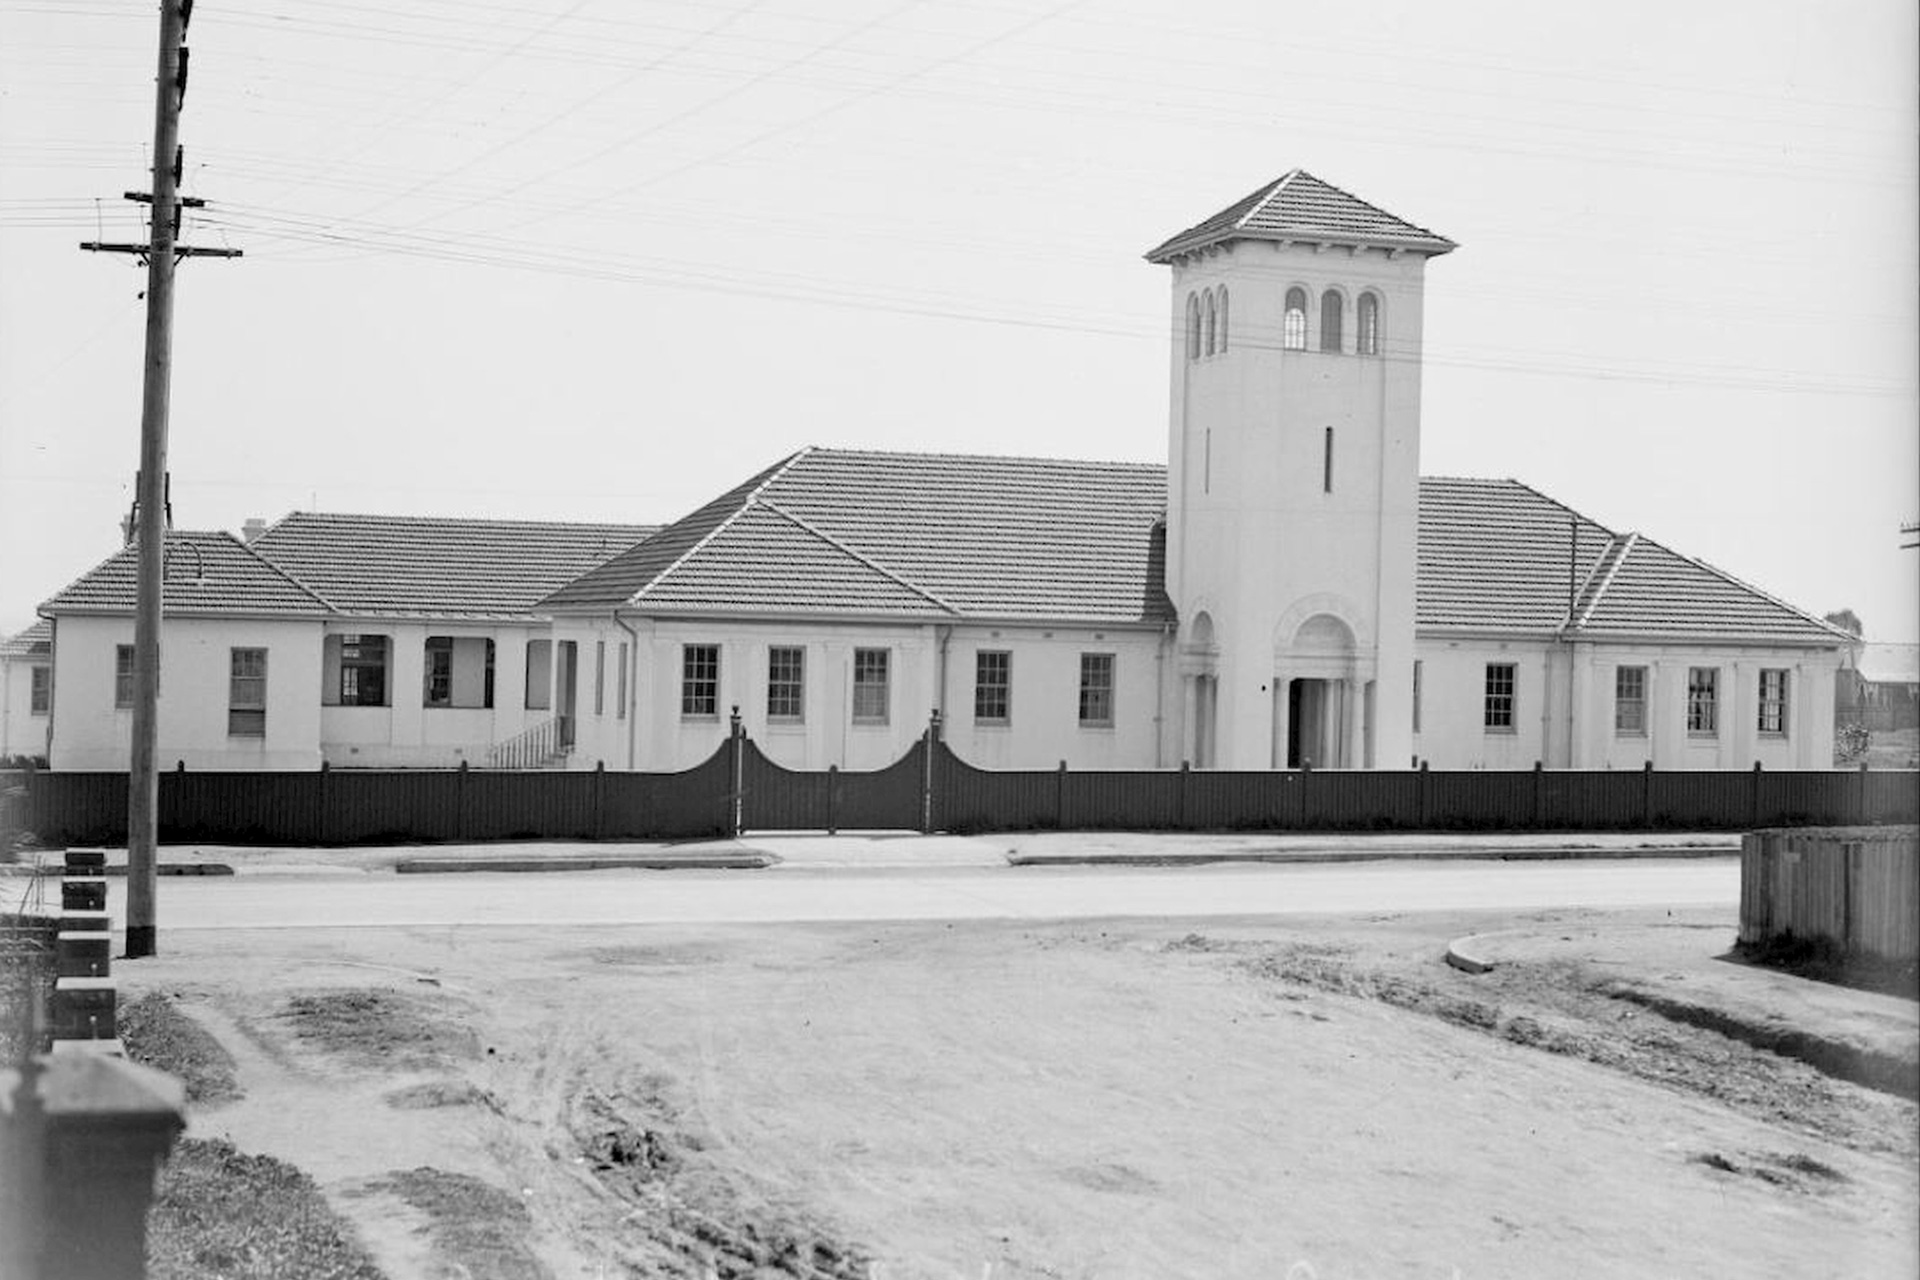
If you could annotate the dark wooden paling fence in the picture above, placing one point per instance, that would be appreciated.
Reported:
(932, 789)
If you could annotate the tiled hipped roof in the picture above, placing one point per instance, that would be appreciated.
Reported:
(430, 566)
(33, 642)
(204, 574)
(1301, 207)
(898, 534)
(1497, 557)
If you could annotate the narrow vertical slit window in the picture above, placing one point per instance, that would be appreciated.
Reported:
(1206, 462)
(1208, 326)
(1223, 319)
(122, 676)
(620, 710)
(1417, 670)
(1368, 322)
(1326, 462)
(599, 677)
(1330, 307)
(1193, 326)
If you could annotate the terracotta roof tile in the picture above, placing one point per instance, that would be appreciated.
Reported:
(431, 566)
(1300, 206)
(206, 573)
(1501, 558)
(986, 537)
(32, 642)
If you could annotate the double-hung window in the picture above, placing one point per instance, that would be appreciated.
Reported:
(1703, 701)
(122, 676)
(1773, 700)
(786, 684)
(1630, 702)
(41, 696)
(992, 686)
(1499, 696)
(871, 676)
(1096, 691)
(247, 693)
(699, 680)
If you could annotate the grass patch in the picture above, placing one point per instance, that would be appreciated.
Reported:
(26, 984)
(223, 1215)
(477, 1228)
(157, 1033)
(376, 1027)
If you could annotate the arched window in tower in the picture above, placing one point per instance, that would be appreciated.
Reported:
(1330, 321)
(1193, 326)
(1223, 321)
(1293, 328)
(1206, 344)
(1367, 321)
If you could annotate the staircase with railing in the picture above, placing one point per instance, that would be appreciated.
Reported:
(545, 746)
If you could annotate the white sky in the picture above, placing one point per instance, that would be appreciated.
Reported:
(586, 259)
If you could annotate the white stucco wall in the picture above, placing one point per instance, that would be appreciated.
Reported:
(1254, 535)
(89, 732)
(1551, 677)
(22, 733)
(1043, 726)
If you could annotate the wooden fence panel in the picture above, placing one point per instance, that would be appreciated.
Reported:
(1856, 889)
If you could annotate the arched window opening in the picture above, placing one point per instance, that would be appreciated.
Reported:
(1293, 329)
(1206, 345)
(1193, 326)
(1368, 321)
(1223, 319)
(1330, 321)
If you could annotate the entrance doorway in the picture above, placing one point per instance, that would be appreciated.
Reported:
(1313, 724)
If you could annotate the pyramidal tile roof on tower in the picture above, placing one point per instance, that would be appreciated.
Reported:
(1299, 206)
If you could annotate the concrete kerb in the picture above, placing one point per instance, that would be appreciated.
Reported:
(1462, 954)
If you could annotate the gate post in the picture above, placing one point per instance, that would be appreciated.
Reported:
(736, 747)
(320, 822)
(1753, 800)
(927, 739)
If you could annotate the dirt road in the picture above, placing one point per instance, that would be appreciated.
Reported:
(1303, 1097)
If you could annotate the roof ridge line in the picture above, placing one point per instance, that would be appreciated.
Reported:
(1762, 592)
(872, 564)
(774, 473)
(1625, 549)
(1279, 185)
(280, 569)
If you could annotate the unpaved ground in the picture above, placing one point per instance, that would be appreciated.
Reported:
(1308, 1097)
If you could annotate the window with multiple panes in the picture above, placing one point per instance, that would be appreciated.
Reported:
(1193, 326)
(599, 677)
(1096, 690)
(247, 693)
(363, 670)
(1330, 305)
(1773, 700)
(700, 680)
(1630, 701)
(123, 676)
(41, 695)
(439, 671)
(1703, 701)
(786, 683)
(1293, 324)
(1367, 319)
(1499, 699)
(871, 676)
(992, 686)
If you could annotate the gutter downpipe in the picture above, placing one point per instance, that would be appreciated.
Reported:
(943, 630)
(633, 684)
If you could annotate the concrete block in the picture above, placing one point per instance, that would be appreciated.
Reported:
(83, 895)
(85, 922)
(83, 1009)
(83, 955)
(85, 860)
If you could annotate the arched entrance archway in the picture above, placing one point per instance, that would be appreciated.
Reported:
(1199, 664)
(1319, 693)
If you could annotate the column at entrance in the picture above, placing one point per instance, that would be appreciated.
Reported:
(1353, 718)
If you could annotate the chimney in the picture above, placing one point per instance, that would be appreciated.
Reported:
(252, 529)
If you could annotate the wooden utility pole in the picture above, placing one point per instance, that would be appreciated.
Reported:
(162, 256)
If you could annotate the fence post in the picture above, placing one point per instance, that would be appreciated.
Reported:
(171, 790)
(736, 743)
(323, 821)
(1860, 797)
(927, 740)
(1306, 780)
(1426, 813)
(1181, 814)
(599, 799)
(833, 799)
(1060, 798)
(460, 803)
(1753, 806)
(1646, 795)
(1539, 793)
